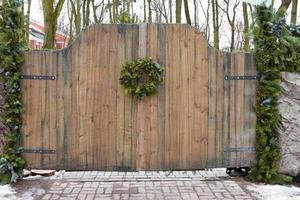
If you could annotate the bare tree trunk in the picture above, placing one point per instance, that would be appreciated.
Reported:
(109, 11)
(171, 11)
(187, 12)
(87, 13)
(195, 13)
(294, 11)
(215, 14)
(165, 11)
(51, 15)
(178, 11)
(83, 12)
(285, 4)
(149, 12)
(246, 27)
(76, 7)
(115, 11)
(132, 9)
(28, 21)
(145, 11)
(70, 16)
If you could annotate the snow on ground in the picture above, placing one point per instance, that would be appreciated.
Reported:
(28, 195)
(58, 175)
(275, 192)
(7, 193)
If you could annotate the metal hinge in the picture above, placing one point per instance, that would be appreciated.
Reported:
(245, 77)
(42, 151)
(38, 77)
(240, 149)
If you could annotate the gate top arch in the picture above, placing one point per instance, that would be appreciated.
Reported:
(77, 116)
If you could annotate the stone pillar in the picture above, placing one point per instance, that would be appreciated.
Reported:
(289, 107)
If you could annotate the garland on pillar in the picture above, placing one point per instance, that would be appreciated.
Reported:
(12, 45)
(277, 48)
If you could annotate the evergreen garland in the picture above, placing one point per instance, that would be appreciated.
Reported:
(12, 43)
(277, 49)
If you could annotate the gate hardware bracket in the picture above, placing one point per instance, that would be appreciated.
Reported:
(245, 77)
(42, 151)
(37, 77)
(240, 149)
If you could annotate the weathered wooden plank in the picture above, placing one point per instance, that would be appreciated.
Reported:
(192, 146)
(161, 112)
(140, 112)
(168, 99)
(27, 102)
(66, 99)
(183, 98)
(152, 47)
(43, 108)
(239, 87)
(212, 55)
(122, 115)
(45, 111)
(201, 98)
(89, 122)
(134, 54)
(98, 129)
(105, 107)
(226, 109)
(82, 92)
(219, 108)
(38, 95)
(249, 111)
(74, 122)
(232, 112)
(175, 99)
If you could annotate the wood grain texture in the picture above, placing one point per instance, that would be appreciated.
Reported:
(85, 116)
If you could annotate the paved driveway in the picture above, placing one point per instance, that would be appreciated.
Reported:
(212, 184)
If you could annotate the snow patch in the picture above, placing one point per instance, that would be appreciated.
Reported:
(36, 177)
(275, 192)
(58, 175)
(7, 193)
(30, 193)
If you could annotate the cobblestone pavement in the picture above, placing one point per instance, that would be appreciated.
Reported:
(212, 184)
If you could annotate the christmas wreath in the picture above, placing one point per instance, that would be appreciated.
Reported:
(141, 77)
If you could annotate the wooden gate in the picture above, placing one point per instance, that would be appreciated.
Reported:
(77, 116)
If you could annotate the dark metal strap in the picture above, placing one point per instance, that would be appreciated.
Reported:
(240, 149)
(38, 77)
(42, 151)
(245, 77)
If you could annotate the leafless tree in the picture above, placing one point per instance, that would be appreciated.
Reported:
(159, 8)
(99, 11)
(227, 9)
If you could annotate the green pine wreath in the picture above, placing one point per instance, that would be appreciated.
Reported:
(141, 77)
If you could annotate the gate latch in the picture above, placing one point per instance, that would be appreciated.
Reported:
(240, 149)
